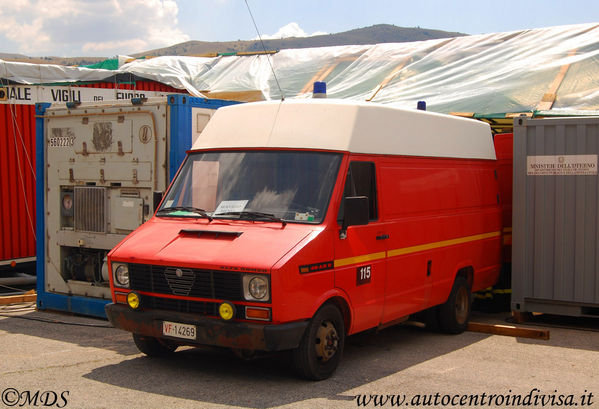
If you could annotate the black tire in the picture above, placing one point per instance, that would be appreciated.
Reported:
(313, 359)
(454, 315)
(153, 346)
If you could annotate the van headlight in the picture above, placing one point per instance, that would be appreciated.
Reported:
(120, 273)
(256, 288)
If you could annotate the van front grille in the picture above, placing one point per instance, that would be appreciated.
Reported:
(212, 284)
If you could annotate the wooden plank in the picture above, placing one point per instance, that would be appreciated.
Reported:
(398, 68)
(509, 330)
(240, 96)
(549, 97)
(462, 114)
(521, 317)
(390, 77)
(29, 296)
(319, 76)
(518, 114)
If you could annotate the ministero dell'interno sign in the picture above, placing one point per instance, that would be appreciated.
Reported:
(561, 165)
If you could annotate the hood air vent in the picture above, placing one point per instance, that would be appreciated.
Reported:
(212, 233)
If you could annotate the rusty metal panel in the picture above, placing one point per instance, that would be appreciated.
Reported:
(555, 253)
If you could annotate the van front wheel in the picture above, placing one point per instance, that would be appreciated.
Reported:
(321, 347)
(454, 315)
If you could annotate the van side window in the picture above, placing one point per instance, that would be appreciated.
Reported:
(361, 181)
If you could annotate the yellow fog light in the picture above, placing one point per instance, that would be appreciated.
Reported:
(226, 311)
(133, 300)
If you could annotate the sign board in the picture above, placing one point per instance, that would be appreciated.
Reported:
(32, 94)
(561, 165)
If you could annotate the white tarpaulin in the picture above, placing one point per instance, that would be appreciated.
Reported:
(550, 68)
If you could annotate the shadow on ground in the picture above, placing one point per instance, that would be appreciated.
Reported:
(66, 327)
(217, 376)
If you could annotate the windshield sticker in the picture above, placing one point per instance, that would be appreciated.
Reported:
(182, 213)
(304, 217)
(168, 203)
(231, 206)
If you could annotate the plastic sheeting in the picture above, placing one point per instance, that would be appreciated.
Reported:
(26, 73)
(553, 68)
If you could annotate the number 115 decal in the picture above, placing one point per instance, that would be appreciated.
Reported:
(363, 275)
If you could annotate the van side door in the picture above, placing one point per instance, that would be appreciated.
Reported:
(360, 266)
(405, 183)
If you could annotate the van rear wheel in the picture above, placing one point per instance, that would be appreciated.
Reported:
(454, 315)
(153, 346)
(321, 347)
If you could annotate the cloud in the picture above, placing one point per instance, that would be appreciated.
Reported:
(290, 30)
(89, 27)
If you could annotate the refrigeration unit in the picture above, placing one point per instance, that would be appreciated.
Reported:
(101, 170)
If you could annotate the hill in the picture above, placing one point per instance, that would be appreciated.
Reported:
(380, 33)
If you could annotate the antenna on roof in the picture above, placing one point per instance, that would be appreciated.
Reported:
(265, 52)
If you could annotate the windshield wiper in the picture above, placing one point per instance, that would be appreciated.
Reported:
(254, 216)
(196, 210)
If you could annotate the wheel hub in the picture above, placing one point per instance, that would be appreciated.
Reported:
(327, 341)
(461, 305)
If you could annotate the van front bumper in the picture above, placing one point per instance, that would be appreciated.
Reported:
(209, 331)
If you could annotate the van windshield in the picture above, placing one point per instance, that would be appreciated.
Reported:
(293, 186)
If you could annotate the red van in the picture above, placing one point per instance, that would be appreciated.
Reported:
(293, 224)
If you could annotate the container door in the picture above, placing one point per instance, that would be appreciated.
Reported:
(360, 267)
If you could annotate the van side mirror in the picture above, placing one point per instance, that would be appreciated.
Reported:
(355, 213)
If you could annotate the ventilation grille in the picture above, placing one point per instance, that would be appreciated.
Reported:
(90, 209)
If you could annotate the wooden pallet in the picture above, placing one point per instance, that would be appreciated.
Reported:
(29, 296)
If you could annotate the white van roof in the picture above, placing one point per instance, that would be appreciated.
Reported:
(339, 125)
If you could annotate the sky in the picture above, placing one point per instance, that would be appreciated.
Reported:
(105, 28)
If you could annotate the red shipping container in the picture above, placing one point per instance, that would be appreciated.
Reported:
(17, 184)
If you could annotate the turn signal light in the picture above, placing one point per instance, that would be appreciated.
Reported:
(253, 313)
(120, 298)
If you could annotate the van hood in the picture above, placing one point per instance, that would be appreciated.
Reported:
(220, 244)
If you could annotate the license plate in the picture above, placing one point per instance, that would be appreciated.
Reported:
(177, 330)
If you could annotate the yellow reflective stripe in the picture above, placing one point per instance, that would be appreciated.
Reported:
(444, 243)
(507, 235)
(502, 291)
(360, 259)
(413, 249)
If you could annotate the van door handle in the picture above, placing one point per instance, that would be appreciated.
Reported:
(382, 237)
